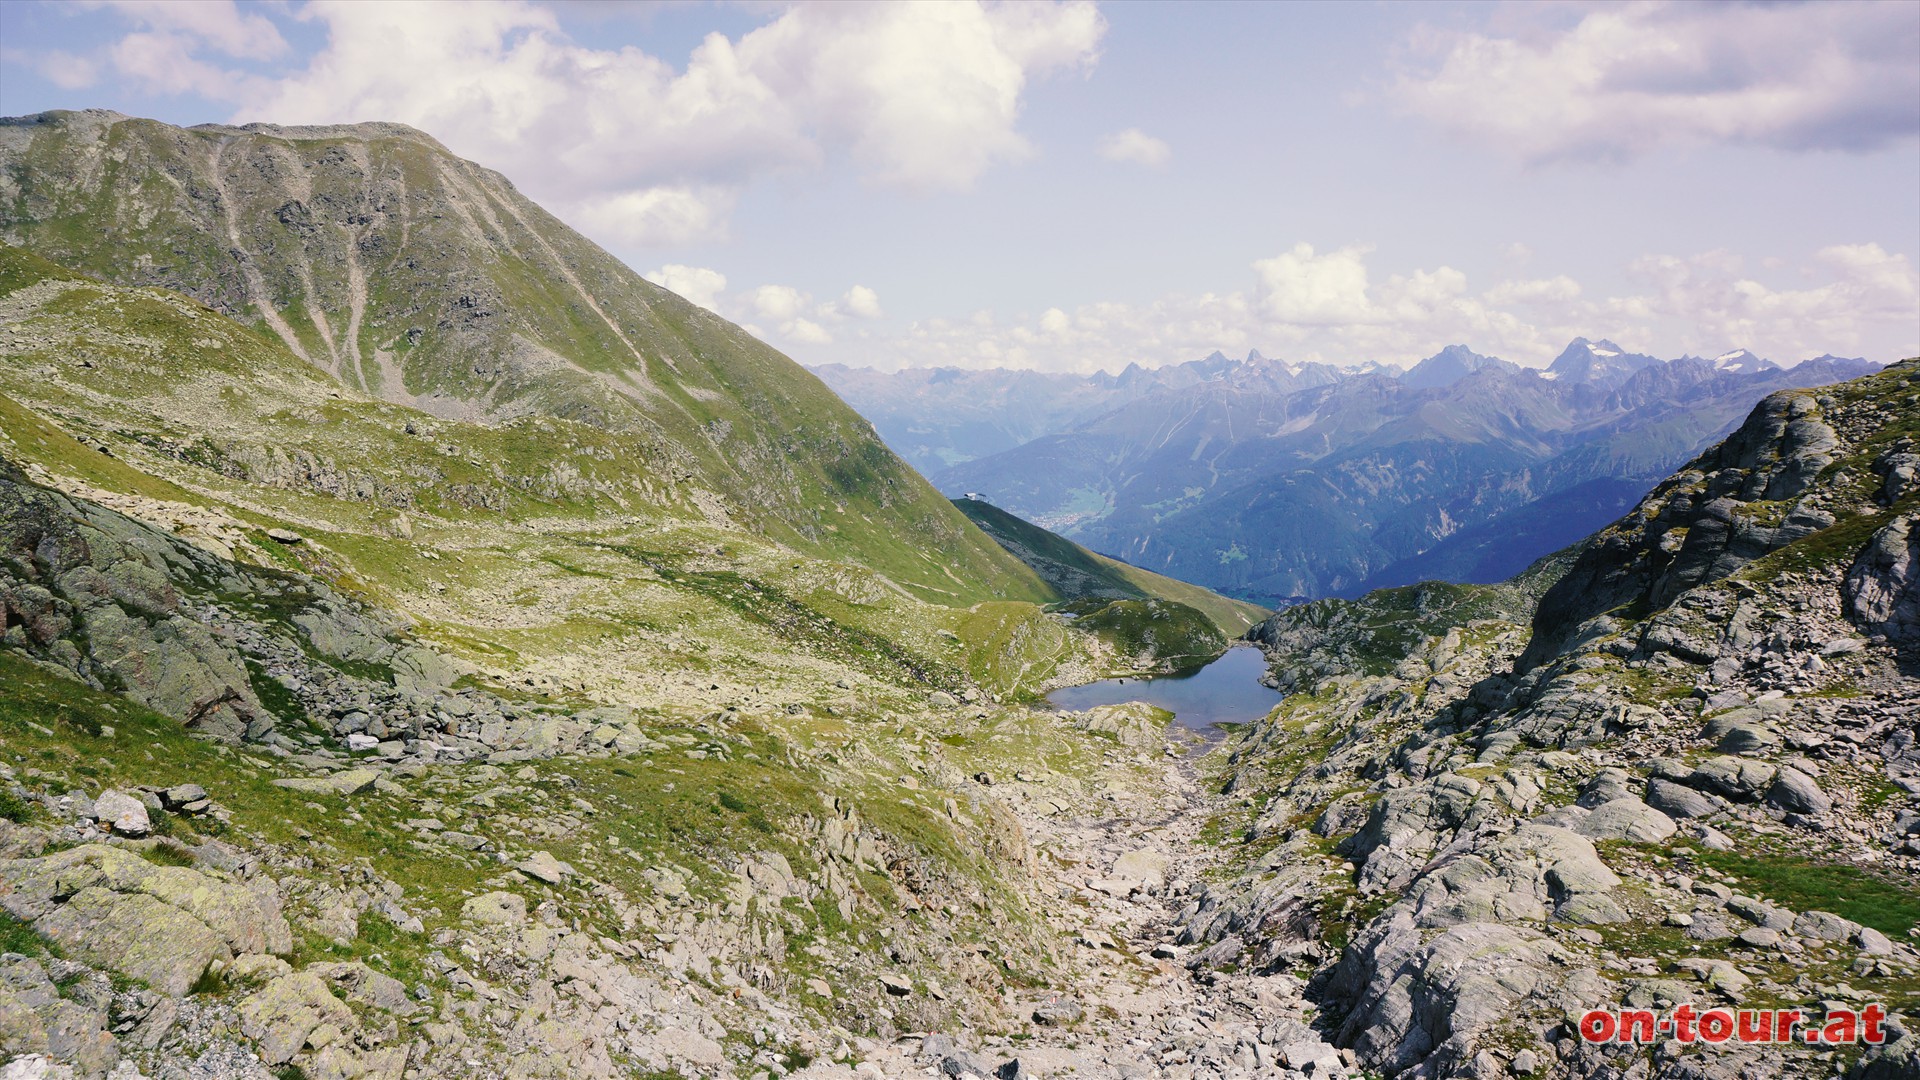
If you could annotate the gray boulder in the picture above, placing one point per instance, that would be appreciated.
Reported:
(1059, 1013)
(1899, 469)
(1407, 825)
(1532, 873)
(345, 782)
(1824, 926)
(1739, 779)
(1680, 801)
(1882, 588)
(122, 813)
(1627, 818)
(1606, 786)
(1796, 792)
(1417, 999)
(1742, 731)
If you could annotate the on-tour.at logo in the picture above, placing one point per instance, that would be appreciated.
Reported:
(1841, 1027)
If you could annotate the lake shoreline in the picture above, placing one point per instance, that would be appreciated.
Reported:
(1228, 690)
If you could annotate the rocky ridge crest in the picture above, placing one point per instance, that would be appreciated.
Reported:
(1643, 791)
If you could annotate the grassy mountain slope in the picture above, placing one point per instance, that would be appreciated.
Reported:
(538, 548)
(423, 280)
(497, 690)
(783, 844)
(1077, 573)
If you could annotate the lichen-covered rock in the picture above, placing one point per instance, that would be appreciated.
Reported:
(163, 924)
(281, 1015)
(496, 908)
(77, 570)
(38, 1018)
(136, 935)
(344, 782)
(366, 986)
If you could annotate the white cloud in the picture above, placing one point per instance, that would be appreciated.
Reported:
(785, 308)
(164, 53)
(1629, 78)
(164, 62)
(1301, 287)
(219, 24)
(656, 216)
(697, 284)
(862, 303)
(642, 152)
(925, 95)
(1559, 289)
(1866, 290)
(66, 70)
(1883, 282)
(1137, 147)
(1307, 305)
(781, 303)
(807, 332)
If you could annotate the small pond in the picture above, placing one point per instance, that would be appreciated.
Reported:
(1226, 691)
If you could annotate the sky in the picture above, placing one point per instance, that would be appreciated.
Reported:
(1072, 186)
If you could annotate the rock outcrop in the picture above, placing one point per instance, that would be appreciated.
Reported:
(1508, 836)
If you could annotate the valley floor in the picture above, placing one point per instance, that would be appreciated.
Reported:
(1124, 866)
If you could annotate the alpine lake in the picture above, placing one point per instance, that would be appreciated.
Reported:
(1226, 691)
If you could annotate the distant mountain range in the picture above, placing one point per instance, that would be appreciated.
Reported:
(1276, 481)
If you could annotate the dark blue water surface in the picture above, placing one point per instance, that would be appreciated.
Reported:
(1225, 691)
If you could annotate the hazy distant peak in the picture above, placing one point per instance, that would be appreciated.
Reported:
(1742, 362)
(1598, 361)
(1449, 366)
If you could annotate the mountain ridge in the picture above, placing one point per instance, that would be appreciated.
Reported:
(1617, 776)
(430, 282)
(1194, 481)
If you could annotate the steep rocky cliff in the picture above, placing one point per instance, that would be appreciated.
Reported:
(1689, 774)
